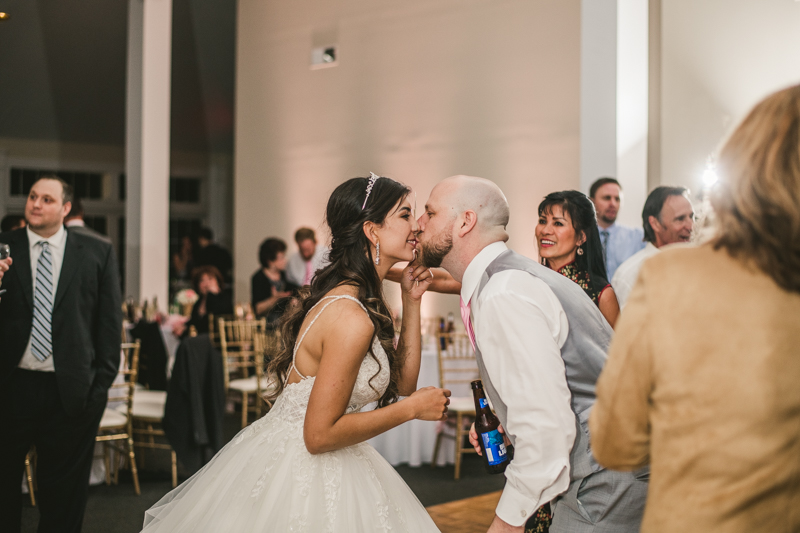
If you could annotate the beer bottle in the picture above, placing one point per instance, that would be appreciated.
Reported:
(495, 456)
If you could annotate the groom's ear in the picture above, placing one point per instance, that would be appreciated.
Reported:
(467, 221)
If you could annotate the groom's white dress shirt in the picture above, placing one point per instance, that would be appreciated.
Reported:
(520, 327)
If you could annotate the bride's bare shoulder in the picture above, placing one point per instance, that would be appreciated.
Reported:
(343, 289)
(346, 314)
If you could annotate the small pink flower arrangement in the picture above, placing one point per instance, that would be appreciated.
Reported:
(186, 297)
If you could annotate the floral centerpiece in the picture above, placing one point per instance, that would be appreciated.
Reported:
(186, 299)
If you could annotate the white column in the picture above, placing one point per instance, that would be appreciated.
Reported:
(598, 90)
(148, 148)
(632, 106)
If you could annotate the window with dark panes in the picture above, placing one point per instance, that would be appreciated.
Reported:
(184, 190)
(86, 184)
(99, 224)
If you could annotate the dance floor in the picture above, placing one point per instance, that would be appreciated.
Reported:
(457, 506)
(470, 515)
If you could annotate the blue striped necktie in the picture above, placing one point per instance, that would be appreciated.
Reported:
(42, 334)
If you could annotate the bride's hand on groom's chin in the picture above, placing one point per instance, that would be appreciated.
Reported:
(430, 403)
(415, 281)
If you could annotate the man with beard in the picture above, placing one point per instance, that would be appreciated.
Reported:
(619, 242)
(540, 343)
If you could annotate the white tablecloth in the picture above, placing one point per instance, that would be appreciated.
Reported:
(171, 343)
(413, 441)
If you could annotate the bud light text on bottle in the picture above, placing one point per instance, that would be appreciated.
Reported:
(495, 447)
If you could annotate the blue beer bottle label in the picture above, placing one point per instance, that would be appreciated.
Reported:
(495, 447)
(483, 402)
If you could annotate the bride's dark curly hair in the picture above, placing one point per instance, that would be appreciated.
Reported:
(351, 263)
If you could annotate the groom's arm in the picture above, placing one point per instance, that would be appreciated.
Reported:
(520, 328)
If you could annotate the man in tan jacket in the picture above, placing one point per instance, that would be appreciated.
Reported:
(702, 380)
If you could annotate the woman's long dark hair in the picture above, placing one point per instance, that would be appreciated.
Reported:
(584, 219)
(351, 263)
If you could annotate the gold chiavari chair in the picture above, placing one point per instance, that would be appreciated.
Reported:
(457, 366)
(30, 466)
(238, 346)
(148, 423)
(259, 384)
(117, 423)
(213, 327)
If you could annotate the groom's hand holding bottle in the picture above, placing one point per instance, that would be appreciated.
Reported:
(498, 525)
(473, 439)
(430, 403)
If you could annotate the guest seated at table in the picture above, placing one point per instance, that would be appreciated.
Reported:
(213, 300)
(210, 253)
(270, 289)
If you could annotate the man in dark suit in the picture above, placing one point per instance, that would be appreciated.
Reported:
(212, 254)
(60, 321)
(74, 221)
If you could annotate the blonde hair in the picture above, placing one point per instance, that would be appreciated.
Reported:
(757, 201)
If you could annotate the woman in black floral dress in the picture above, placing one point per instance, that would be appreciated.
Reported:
(569, 243)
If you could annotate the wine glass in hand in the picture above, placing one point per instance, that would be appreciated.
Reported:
(5, 254)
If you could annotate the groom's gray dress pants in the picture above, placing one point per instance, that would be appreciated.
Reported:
(604, 502)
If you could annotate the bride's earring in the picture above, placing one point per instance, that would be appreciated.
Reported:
(378, 254)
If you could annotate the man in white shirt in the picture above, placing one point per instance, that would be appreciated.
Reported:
(537, 366)
(668, 218)
(309, 258)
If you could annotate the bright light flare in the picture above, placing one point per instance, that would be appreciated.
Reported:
(710, 176)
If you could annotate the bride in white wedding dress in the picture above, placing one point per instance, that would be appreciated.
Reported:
(305, 466)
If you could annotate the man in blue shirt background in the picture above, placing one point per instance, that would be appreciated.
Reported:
(619, 242)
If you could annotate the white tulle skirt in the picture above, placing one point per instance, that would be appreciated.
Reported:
(265, 480)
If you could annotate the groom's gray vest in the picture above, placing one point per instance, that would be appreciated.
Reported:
(584, 352)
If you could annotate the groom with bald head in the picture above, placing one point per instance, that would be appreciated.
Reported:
(540, 343)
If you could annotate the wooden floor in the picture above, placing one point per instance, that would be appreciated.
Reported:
(470, 515)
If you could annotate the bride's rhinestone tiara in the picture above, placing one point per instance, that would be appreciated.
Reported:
(372, 179)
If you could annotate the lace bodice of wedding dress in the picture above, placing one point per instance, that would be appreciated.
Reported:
(371, 382)
(266, 480)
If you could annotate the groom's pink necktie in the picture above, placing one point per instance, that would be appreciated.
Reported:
(467, 322)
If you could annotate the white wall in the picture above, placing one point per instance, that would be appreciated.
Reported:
(719, 58)
(598, 91)
(424, 89)
(632, 125)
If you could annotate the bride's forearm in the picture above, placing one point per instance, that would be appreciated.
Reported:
(355, 428)
(409, 347)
